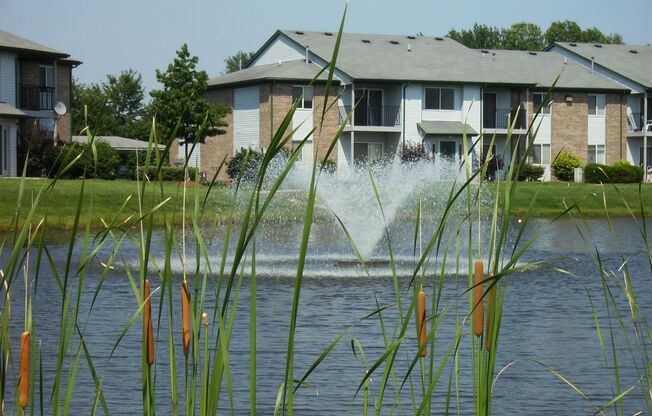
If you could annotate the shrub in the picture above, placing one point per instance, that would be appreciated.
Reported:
(621, 163)
(168, 173)
(38, 151)
(329, 166)
(531, 172)
(108, 160)
(564, 165)
(235, 164)
(595, 173)
(413, 152)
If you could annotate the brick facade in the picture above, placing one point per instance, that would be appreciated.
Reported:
(616, 126)
(275, 102)
(569, 123)
(325, 132)
(215, 148)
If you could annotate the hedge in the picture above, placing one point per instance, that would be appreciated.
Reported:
(596, 173)
(169, 173)
(531, 173)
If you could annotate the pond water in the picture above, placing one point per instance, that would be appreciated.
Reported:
(547, 317)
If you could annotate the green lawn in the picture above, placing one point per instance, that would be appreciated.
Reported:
(60, 203)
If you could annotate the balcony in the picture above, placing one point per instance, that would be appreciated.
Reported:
(35, 97)
(373, 116)
(500, 119)
(635, 122)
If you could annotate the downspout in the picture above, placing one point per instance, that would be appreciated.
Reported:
(405, 85)
(352, 123)
(622, 105)
(645, 127)
(482, 87)
(271, 111)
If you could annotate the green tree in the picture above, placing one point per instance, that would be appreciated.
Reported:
(236, 62)
(563, 31)
(595, 35)
(125, 95)
(180, 102)
(90, 99)
(523, 36)
(480, 37)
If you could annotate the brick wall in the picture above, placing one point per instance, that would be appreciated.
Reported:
(278, 97)
(324, 134)
(616, 126)
(63, 94)
(215, 148)
(570, 124)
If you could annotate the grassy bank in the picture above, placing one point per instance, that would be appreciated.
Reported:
(108, 196)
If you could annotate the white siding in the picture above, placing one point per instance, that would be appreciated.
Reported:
(13, 157)
(471, 109)
(597, 129)
(544, 133)
(344, 156)
(246, 118)
(302, 122)
(281, 49)
(441, 115)
(413, 110)
(8, 78)
(194, 158)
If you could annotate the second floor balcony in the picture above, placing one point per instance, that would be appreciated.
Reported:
(36, 97)
(502, 118)
(635, 122)
(373, 116)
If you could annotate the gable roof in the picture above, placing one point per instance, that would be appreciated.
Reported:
(630, 61)
(9, 41)
(396, 58)
(297, 70)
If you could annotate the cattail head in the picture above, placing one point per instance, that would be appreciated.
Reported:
(149, 327)
(421, 322)
(23, 383)
(478, 304)
(204, 319)
(185, 317)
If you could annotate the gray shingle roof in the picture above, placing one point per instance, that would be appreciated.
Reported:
(618, 58)
(117, 142)
(14, 42)
(8, 110)
(446, 127)
(286, 71)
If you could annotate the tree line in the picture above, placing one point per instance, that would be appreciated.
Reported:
(529, 36)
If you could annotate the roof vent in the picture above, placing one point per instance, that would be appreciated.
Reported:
(393, 42)
(328, 33)
(573, 44)
(633, 51)
(597, 45)
(366, 41)
(298, 32)
(409, 48)
(484, 51)
(532, 53)
(438, 38)
(411, 37)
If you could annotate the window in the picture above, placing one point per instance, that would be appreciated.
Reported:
(439, 98)
(541, 154)
(46, 124)
(367, 152)
(304, 95)
(295, 145)
(537, 101)
(596, 104)
(46, 74)
(596, 154)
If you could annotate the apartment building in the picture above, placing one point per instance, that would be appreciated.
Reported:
(631, 67)
(416, 89)
(33, 79)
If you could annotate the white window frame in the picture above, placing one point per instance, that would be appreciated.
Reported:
(545, 108)
(593, 151)
(600, 105)
(425, 89)
(302, 99)
(542, 160)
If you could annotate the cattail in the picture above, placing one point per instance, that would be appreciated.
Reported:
(421, 321)
(185, 317)
(204, 319)
(149, 327)
(478, 304)
(23, 385)
(490, 317)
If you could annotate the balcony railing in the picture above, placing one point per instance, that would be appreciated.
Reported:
(381, 116)
(35, 97)
(502, 117)
(635, 122)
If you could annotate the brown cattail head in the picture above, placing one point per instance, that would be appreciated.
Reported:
(421, 321)
(23, 383)
(149, 327)
(478, 304)
(185, 317)
(490, 315)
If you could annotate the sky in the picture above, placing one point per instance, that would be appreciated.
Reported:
(112, 35)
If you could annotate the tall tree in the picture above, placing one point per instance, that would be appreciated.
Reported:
(125, 95)
(523, 36)
(237, 61)
(563, 31)
(480, 37)
(181, 102)
(89, 104)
